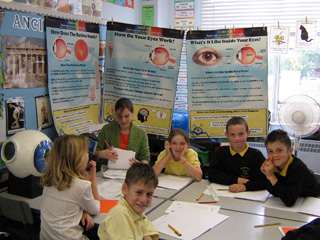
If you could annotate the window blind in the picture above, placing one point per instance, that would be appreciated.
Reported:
(219, 14)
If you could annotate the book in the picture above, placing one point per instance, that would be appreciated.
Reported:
(308, 205)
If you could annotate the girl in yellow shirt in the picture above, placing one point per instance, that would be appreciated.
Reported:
(177, 158)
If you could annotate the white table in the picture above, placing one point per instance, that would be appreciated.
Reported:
(239, 226)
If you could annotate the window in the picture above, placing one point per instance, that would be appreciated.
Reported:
(298, 71)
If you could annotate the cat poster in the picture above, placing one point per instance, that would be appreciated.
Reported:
(306, 34)
(279, 39)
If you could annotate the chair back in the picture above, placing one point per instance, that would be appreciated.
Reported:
(17, 210)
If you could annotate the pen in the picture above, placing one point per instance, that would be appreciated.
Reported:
(206, 202)
(223, 189)
(267, 225)
(173, 229)
(200, 196)
(107, 144)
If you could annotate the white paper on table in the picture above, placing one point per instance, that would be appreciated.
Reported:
(123, 159)
(173, 182)
(310, 206)
(260, 196)
(192, 209)
(188, 229)
(115, 174)
(276, 203)
(110, 190)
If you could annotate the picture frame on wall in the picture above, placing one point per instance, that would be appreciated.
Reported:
(15, 115)
(43, 109)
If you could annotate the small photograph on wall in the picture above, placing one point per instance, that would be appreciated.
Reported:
(15, 115)
(306, 34)
(44, 116)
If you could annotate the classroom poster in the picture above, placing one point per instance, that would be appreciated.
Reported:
(227, 76)
(142, 64)
(73, 74)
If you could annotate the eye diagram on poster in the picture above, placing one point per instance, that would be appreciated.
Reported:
(44, 117)
(73, 74)
(15, 115)
(227, 76)
(142, 64)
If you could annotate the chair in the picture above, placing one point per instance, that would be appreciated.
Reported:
(19, 211)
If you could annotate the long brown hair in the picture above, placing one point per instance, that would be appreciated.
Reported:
(65, 161)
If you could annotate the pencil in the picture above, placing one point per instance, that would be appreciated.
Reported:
(206, 202)
(200, 196)
(107, 144)
(223, 189)
(173, 229)
(170, 199)
(267, 225)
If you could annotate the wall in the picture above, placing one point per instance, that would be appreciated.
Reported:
(121, 14)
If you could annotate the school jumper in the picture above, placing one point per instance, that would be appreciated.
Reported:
(177, 167)
(122, 222)
(138, 140)
(227, 166)
(294, 180)
(61, 211)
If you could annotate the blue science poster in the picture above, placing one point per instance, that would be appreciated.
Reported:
(73, 74)
(227, 76)
(142, 64)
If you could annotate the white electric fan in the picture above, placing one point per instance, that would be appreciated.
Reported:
(299, 116)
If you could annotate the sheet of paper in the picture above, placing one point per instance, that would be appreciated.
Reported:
(190, 219)
(115, 174)
(310, 206)
(191, 208)
(110, 190)
(222, 191)
(106, 205)
(123, 159)
(276, 203)
(188, 229)
(173, 182)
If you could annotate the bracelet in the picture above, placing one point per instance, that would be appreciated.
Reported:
(184, 162)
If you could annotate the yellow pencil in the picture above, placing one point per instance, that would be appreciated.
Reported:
(200, 196)
(267, 225)
(173, 229)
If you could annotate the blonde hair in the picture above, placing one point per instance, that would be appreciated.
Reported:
(65, 161)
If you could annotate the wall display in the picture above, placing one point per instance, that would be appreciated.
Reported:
(74, 80)
(148, 15)
(306, 34)
(279, 39)
(44, 117)
(142, 63)
(24, 48)
(184, 14)
(227, 76)
(15, 115)
(124, 3)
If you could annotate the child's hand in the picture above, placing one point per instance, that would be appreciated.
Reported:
(167, 147)
(268, 167)
(242, 180)
(92, 167)
(235, 188)
(87, 221)
(184, 152)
